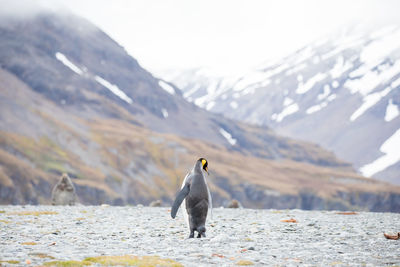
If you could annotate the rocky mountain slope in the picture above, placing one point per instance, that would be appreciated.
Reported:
(72, 100)
(342, 92)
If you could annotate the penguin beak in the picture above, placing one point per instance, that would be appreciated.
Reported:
(206, 169)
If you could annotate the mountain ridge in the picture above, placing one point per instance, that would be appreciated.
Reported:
(76, 102)
(350, 79)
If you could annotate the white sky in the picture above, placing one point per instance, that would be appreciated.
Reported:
(226, 35)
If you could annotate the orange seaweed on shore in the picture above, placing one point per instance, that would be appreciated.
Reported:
(290, 220)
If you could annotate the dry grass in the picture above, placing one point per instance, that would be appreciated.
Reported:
(9, 262)
(67, 263)
(29, 243)
(41, 255)
(126, 260)
(33, 213)
(244, 263)
(129, 260)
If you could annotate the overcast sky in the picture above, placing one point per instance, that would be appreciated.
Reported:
(226, 35)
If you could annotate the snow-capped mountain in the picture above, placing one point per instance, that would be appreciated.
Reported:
(342, 92)
(74, 101)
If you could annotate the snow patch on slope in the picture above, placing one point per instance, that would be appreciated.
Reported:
(295, 69)
(250, 79)
(392, 155)
(227, 136)
(340, 67)
(166, 87)
(316, 108)
(380, 48)
(234, 104)
(322, 105)
(395, 83)
(371, 79)
(164, 113)
(61, 57)
(285, 112)
(114, 89)
(210, 105)
(287, 101)
(192, 91)
(369, 101)
(201, 101)
(305, 87)
(392, 111)
(325, 93)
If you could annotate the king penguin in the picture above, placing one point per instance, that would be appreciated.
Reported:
(197, 198)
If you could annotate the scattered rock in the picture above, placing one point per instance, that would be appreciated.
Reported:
(234, 204)
(63, 192)
(220, 238)
(347, 213)
(394, 237)
(156, 203)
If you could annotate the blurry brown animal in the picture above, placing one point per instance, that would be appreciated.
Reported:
(156, 203)
(63, 192)
(234, 204)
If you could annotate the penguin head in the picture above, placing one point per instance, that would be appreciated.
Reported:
(204, 164)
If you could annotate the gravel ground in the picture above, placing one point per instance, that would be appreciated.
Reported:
(234, 236)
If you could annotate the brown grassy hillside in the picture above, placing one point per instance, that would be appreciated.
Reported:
(134, 165)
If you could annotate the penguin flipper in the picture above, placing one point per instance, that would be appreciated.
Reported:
(178, 200)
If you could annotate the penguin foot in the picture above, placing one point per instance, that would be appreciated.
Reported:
(201, 231)
(199, 235)
(191, 234)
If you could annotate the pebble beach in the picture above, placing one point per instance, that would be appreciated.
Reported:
(51, 235)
